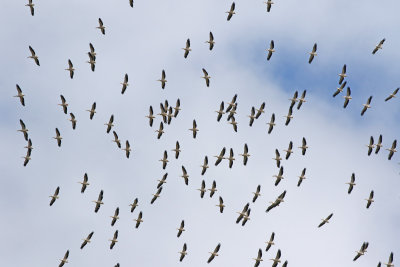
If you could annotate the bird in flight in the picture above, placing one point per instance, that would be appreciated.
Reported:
(64, 104)
(259, 258)
(163, 80)
(326, 220)
(362, 251)
(92, 111)
(245, 154)
(54, 197)
(270, 242)
(313, 53)
(342, 75)
(98, 202)
(370, 199)
(20, 95)
(347, 97)
(276, 260)
(211, 41)
(70, 69)
(231, 12)
(114, 240)
(366, 106)
(181, 228)
(392, 95)
(72, 120)
(125, 83)
(270, 49)
(214, 253)
(31, 6)
(194, 129)
(221, 205)
(392, 150)
(58, 137)
(139, 219)
(115, 216)
(269, 4)
(351, 183)
(339, 89)
(65, 259)
(23, 130)
(86, 240)
(187, 48)
(34, 56)
(183, 252)
(84, 183)
(378, 46)
(101, 27)
(206, 77)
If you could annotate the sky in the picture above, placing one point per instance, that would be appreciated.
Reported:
(142, 41)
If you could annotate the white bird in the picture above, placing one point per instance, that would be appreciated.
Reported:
(164, 160)
(347, 97)
(276, 260)
(86, 240)
(214, 253)
(362, 251)
(279, 177)
(213, 189)
(378, 46)
(221, 205)
(302, 177)
(84, 183)
(31, 7)
(259, 258)
(181, 228)
(245, 154)
(370, 199)
(20, 95)
(114, 240)
(72, 120)
(270, 49)
(139, 219)
(211, 41)
(110, 123)
(125, 83)
(313, 53)
(326, 220)
(58, 137)
(339, 89)
(163, 80)
(392, 150)
(270, 242)
(65, 259)
(392, 94)
(64, 104)
(390, 262)
(70, 69)
(99, 201)
(269, 3)
(303, 146)
(366, 106)
(231, 12)
(187, 48)
(194, 129)
(34, 56)
(271, 123)
(92, 111)
(55, 196)
(115, 216)
(351, 183)
(206, 77)
(101, 27)
(343, 74)
(23, 130)
(185, 175)
(134, 204)
(183, 252)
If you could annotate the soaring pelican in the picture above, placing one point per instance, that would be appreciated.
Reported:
(279, 177)
(220, 157)
(260, 110)
(269, 4)
(54, 197)
(259, 258)
(20, 95)
(343, 74)
(271, 123)
(187, 48)
(181, 228)
(270, 242)
(206, 77)
(371, 145)
(302, 177)
(70, 69)
(125, 83)
(101, 27)
(370, 199)
(114, 240)
(23, 130)
(163, 180)
(86, 240)
(163, 80)
(366, 106)
(313, 53)
(134, 204)
(339, 89)
(347, 97)
(270, 49)
(185, 175)
(257, 193)
(92, 111)
(392, 94)
(156, 195)
(214, 253)
(213, 188)
(177, 149)
(379, 46)
(326, 220)
(116, 140)
(31, 7)
(64, 104)
(139, 219)
(245, 154)
(110, 123)
(204, 166)
(231, 12)
(378, 145)
(276, 260)
(202, 189)
(65, 259)
(58, 137)
(211, 41)
(221, 205)
(392, 149)
(84, 183)
(194, 129)
(34, 56)
(99, 201)
(351, 183)
(183, 252)
(289, 151)
(362, 251)
(72, 120)
(164, 160)
(115, 217)
(127, 149)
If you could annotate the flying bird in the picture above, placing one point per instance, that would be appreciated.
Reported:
(378, 145)
(110, 123)
(343, 74)
(114, 240)
(387, 99)
(64, 104)
(211, 41)
(202, 189)
(31, 7)
(301, 177)
(220, 157)
(289, 116)
(27, 158)
(245, 154)
(276, 260)
(246, 217)
(289, 151)
(187, 48)
(127, 149)
(86, 240)
(260, 110)
(257, 193)
(23, 130)
(101, 27)
(58, 137)
(213, 189)
(313, 53)
(181, 228)
(294, 99)
(134, 204)
(277, 158)
(269, 4)
(98, 202)
(206, 77)
(303, 146)
(20, 95)
(131, 3)
(270, 242)
(164, 160)
(362, 250)
(231, 12)
(392, 149)
(279, 177)
(231, 158)
(194, 129)
(70, 69)
(183, 252)
(92, 51)
(163, 80)
(271, 123)
(221, 205)
(177, 108)
(72, 120)
(65, 259)
(125, 83)
(270, 49)
(177, 149)
(252, 116)
(185, 175)
(326, 220)
(232, 103)
(54, 197)
(277, 202)
(214, 253)
(371, 145)
(379, 46)
(91, 61)
(139, 219)
(115, 217)
(116, 140)
(347, 97)
(204, 166)
(390, 262)
(259, 258)
(34, 56)
(351, 183)
(84, 183)
(234, 123)
(151, 116)
(156, 195)
(366, 106)
(339, 89)
(92, 110)
(370, 199)
(162, 181)
(243, 213)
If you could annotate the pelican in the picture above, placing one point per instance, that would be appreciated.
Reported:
(29, 146)
(289, 151)
(279, 177)
(339, 89)
(303, 146)
(252, 116)
(27, 158)
(131, 3)
(379, 46)
(302, 99)
(160, 130)
(231, 104)
(34, 56)
(20, 95)
(58, 137)
(110, 123)
(371, 145)
(246, 217)
(23, 130)
(64, 104)
(221, 205)
(326, 220)
(220, 157)
(276, 260)
(31, 7)
(127, 149)
(214, 253)
(139, 219)
(187, 48)
(204, 166)
(84, 183)
(92, 110)
(245, 154)
(194, 129)
(72, 120)
(277, 202)
(162, 181)
(156, 195)
(366, 106)
(116, 140)
(151, 116)
(231, 158)
(92, 51)
(164, 160)
(177, 149)
(183, 252)
(91, 61)
(260, 110)
(177, 108)
(370, 199)
(213, 189)
(55, 196)
(257, 193)
(99, 201)
(271, 123)
(387, 99)
(259, 258)
(181, 228)
(184, 175)
(351, 183)
(163, 80)
(294, 99)
(206, 77)
(270, 49)
(202, 189)
(101, 27)
(125, 83)
(378, 145)
(343, 74)
(277, 158)
(65, 259)
(211, 41)
(86, 240)
(234, 123)
(134, 204)
(313, 53)
(289, 116)
(232, 111)
(243, 213)
(392, 149)
(114, 240)
(70, 69)
(231, 12)
(347, 97)
(270, 242)
(163, 112)
(115, 217)
(362, 251)
(390, 262)
(170, 115)
(301, 177)
(269, 3)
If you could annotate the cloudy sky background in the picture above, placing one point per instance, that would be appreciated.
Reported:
(148, 38)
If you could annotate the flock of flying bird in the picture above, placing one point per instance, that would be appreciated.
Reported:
(168, 112)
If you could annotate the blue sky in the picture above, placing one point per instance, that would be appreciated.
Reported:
(148, 38)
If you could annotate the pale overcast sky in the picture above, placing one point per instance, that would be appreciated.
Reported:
(147, 38)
